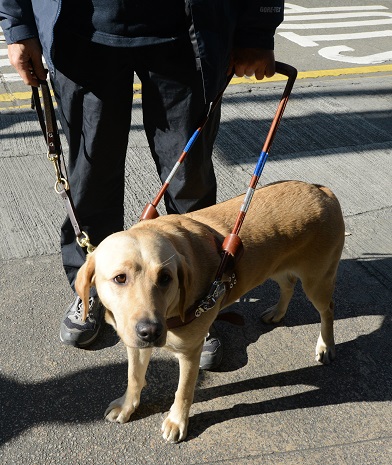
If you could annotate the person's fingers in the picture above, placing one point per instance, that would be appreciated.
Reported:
(37, 66)
(270, 67)
(25, 71)
(239, 70)
(253, 62)
(250, 70)
(38, 72)
(26, 58)
(260, 73)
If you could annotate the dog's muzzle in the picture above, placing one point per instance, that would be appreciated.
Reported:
(148, 331)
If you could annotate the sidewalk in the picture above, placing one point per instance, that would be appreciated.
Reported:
(271, 403)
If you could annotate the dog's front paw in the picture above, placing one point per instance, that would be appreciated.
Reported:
(324, 354)
(119, 411)
(174, 430)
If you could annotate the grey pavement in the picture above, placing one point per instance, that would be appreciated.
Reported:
(270, 403)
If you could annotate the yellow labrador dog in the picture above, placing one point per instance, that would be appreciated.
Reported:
(154, 273)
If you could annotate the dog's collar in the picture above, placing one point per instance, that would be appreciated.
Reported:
(220, 287)
(217, 290)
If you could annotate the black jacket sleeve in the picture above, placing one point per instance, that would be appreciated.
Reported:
(17, 20)
(258, 20)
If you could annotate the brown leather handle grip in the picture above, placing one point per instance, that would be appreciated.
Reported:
(286, 70)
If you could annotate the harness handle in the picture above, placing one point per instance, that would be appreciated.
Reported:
(232, 245)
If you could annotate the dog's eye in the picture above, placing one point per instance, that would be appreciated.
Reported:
(164, 279)
(120, 279)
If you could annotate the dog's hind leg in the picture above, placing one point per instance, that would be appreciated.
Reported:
(320, 294)
(286, 282)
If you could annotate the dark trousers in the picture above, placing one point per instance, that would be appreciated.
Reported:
(93, 86)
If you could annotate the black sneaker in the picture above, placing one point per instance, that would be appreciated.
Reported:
(78, 333)
(212, 353)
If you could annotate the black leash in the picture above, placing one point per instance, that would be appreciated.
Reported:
(47, 121)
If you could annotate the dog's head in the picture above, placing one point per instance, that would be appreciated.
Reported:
(141, 279)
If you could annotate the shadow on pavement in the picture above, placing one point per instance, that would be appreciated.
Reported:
(361, 372)
(241, 137)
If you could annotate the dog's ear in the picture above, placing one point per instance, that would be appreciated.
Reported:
(84, 280)
(184, 280)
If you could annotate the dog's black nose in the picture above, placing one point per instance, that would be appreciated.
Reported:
(149, 331)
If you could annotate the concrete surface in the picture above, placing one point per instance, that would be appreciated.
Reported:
(270, 403)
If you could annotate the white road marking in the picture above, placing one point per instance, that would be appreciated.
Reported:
(291, 8)
(313, 41)
(334, 53)
(315, 18)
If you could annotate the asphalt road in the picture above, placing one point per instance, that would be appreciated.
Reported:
(270, 403)
(336, 34)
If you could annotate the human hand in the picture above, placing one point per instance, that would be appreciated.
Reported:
(252, 61)
(26, 57)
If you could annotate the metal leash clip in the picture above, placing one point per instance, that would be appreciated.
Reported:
(218, 288)
(84, 241)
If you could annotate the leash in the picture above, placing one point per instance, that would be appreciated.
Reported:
(47, 121)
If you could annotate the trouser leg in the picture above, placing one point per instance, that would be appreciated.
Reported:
(95, 114)
(173, 107)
